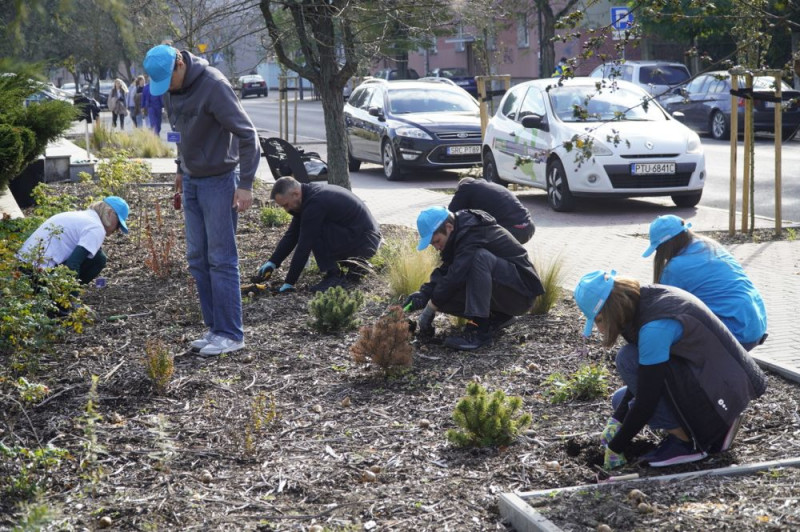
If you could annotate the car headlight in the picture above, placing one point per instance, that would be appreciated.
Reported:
(693, 144)
(599, 148)
(412, 132)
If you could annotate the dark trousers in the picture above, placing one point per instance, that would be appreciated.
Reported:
(339, 243)
(114, 117)
(493, 285)
(91, 268)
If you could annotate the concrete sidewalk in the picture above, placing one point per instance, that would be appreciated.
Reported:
(590, 238)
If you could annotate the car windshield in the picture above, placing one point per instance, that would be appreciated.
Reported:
(764, 83)
(663, 75)
(426, 100)
(585, 104)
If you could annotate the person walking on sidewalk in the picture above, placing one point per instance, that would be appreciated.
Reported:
(485, 275)
(329, 221)
(117, 103)
(75, 238)
(497, 200)
(153, 106)
(218, 155)
(683, 370)
(704, 268)
(135, 100)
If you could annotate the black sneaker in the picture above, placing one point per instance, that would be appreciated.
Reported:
(673, 451)
(499, 321)
(329, 281)
(356, 269)
(471, 338)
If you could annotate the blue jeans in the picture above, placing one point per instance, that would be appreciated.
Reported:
(211, 250)
(664, 417)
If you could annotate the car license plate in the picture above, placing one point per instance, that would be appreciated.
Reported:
(652, 168)
(463, 150)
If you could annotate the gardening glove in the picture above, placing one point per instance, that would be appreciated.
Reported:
(426, 321)
(612, 427)
(415, 301)
(263, 273)
(286, 288)
(612, 460)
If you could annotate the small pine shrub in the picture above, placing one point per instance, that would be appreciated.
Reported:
(408, 268)
(588, 382)
(159, 364)
(274, 216)
(487, 420)
(552, 276)
(385, 343)
(335, 309)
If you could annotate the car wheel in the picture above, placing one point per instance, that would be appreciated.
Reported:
(720, 129)
(687, 200)
(490, 169)
(558, 194)
(354, 165)
(390, 167)
(789, 135)
(243, 95)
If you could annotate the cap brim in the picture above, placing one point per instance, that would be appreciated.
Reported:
(423, 243)
(649, 251)
(157, 88)
(123, 226)
(587, 329)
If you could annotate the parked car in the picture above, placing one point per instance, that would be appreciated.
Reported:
(48, 92)
(573, 140)
(100, 92)
(390, 74)
(405, 125)
(69, 88)
(705, 105)
(252, 84)
(460, 77)
(658, 78)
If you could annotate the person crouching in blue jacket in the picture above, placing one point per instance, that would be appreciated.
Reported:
(684, 372)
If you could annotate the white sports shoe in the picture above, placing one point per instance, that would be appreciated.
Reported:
(219, 345)
(200, 343)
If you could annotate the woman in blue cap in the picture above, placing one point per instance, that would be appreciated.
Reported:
(683, 370)
(74, 238)
(701, 266)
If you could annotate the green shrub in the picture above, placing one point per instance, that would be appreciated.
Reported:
(487, 420)
(588, 382)
(552, 277)
(25, 472)
(117, 170)
(408, 268)
(141, 142)
(335, 309)
(48, 203)
(159, 365)
(274, 216)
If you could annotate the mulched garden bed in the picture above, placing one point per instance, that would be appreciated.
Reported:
(290, 433)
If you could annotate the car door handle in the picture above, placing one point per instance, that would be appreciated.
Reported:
(512, 134)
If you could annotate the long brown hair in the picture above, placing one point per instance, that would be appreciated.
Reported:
(620, 308)
(675, 246)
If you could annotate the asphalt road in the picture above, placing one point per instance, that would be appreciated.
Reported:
(264, 113)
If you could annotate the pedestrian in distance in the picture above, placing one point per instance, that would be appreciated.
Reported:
(704, 268)
(117, 103)
(75, 238)
(218, 155)
(153, 107)
(683, 370)
(485, 276)
(134, 100)
(498, 201)
(561, 68)
(329, 221)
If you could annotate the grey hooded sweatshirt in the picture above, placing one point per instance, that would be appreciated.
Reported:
(216, 133)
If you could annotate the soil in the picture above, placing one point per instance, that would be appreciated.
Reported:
(290, 432)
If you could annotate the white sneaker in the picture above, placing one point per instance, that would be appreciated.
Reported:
(200, 343)
(219, 345)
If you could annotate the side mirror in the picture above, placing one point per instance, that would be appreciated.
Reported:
(678, 115)
(534, 121)
(376, 111)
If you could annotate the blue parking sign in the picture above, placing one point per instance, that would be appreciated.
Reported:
(621, 18)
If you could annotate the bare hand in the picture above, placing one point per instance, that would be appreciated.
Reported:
(242, 199)
(178, 182)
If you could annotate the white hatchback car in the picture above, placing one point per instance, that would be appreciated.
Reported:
(589, 137)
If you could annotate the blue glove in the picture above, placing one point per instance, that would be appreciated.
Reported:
(266, 269)
(286, 288)
(612, 460)
(612, 427)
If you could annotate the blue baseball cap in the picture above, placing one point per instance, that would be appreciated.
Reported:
(121, 208)
(159, 63)
(428, 222)
(664, 228)
(591, 294)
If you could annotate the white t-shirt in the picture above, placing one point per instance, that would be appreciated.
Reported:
(55, 240)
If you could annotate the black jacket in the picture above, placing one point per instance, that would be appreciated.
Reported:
(474, 230)
(495, 199)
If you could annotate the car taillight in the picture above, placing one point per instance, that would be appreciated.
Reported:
(741, 103)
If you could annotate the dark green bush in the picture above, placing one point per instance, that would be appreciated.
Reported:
(335, 309)
(487, 420)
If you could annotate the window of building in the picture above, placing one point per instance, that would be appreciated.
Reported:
(523, 38)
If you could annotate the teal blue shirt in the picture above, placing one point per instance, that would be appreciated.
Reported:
(718, 280)
(656, 338)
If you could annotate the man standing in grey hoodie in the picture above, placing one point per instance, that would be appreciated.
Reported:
(218, 155)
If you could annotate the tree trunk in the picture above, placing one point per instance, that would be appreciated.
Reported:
(333, 110)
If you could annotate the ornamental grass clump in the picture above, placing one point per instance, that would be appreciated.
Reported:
(552, 277)
(335, 309)
(159, 364)
(487, 419)
(274, 216)
(386, 343)
(408, 268)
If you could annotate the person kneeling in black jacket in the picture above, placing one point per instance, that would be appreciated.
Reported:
(485, 275)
